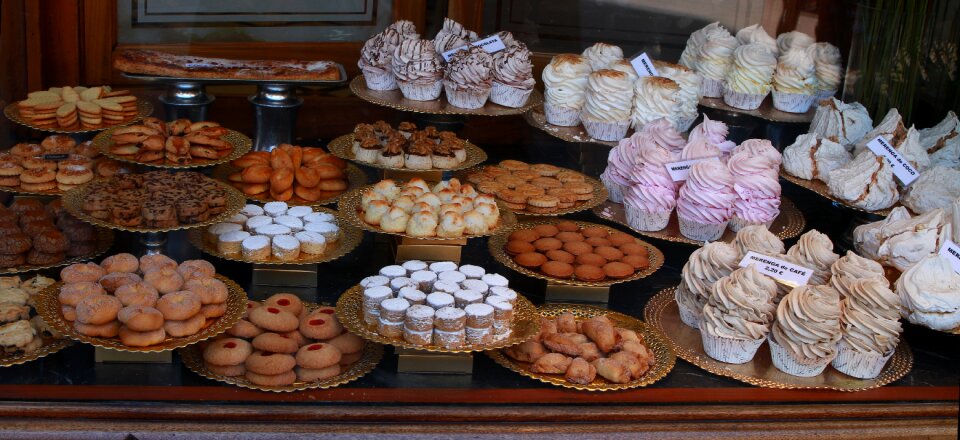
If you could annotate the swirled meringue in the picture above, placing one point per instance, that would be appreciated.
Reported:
(715, 132)
(811, 157)
(663, 133)
(760, 148)
(826, 61)
(689, 95)
(850, 268)
(808, 322)
(759, 239)
(930, 293)
(869, 321)
(715, 56)
(740, 306)
(752, 70)
(691, 51)
(705, 266)
(814, 250)
(795, 73)
(708, 195)
(624, 66)
(416, 61)
(470, 70)
(754, 34)
(565, 80)
(654, 97)
(609, 96)
(794, 40)
(452, 35)
(600, 55)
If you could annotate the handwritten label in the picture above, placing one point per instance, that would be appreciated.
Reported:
(490, 44)
(642, 64)
(55, 156)
(783, 271)
(679, 170)
(951, 252)
(900, 165)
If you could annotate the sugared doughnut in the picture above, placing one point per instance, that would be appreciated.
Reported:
(244, 329)
(120, 263)
(141, 339)
(347, 343)
(321, 324)
(108, 330)
(285, 301)
(262, 362)
(274, 319)
(213, 310)
(165, 280)
(271, 380)
(71, 294)
(98, 309)
(275, 342)
(317, 355)
(227, 351)
(137, 294)
(200, 269)
(69, 312)
(140, 318)
(75, 273)
(179, 305)
(186, 327)
(210, 290)
(150, 263)
(112, 281)
(317, 374)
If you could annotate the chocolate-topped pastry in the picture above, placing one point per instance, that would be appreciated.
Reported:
(158, 214)
(191, 211)
(418, 155)
(406, 128)
(443, 156)
(368, 150)
(392, 153)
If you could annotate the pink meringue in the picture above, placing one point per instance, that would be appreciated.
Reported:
(706, 201)
(652, 196)
(663, 133)
(715, 132)
(760, 147)
(620, 162)
(758, 200)
(700, 148)
(743, 166)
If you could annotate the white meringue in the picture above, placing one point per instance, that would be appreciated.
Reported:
(936, 187)
(866, 238)
(810, 157)
(930, 293)
(903, 243)
(600, 55)
(691, 51)
(842, 122)
(865, 182)
(654, 97)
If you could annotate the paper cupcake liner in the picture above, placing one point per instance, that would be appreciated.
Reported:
(689, 317)
(862, 365)
(465, 98)
(379, 79)
(743, 101)
(695, 230)
(606, 131)
(824, 94)
(737, 223)
(420, 92)
(711, 88)
(643, 220)
(787, 363)
(729, 350)
(560, 115)
(614, 189)
(792, 102)
(509, 96)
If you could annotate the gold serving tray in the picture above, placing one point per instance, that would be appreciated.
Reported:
(73, 203)
(525, 325)
(349, 213)
(350, 238)
(538, 119)
(48, 306)
(355, 179)
(104, 241)
(662, 313)
(241, 145)
(50, 346)
(497, 243)
(342, 147)
(394, 99)
(789, 224)
(652, 338)
(766, 111)
(821, 188)
(12, 112)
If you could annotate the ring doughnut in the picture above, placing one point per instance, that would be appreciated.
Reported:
(191, 269)
(165, 280)
(213, 310)
(98, 309)
(140, 318)
(210, 290)
(137, 294)
(120, 263)
(150, 263)
(81, 272)
(134, 338)
(186, 327)
(71, 294)
(179, 305)
(113, 281)
(108, 330)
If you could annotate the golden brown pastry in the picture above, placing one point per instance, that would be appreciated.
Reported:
(553, 363)
(612, 370)
(601, 332)
(580, 371)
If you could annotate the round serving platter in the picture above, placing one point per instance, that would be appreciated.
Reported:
(766, 111)
(50, 346)
(821, 189)
(538, 119)
(664, 357)
(498, 241)
(394, 99)
(789, 224)
(355, 179)
(525, 325)
(241, 145)
(48, 306)
(104, 241)
(599, 195)
(662, 313)
(342, 147)
(12, 112)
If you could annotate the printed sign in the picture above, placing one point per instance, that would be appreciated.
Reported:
(951, 252)
(642, 64)
(900, 165)
(55, 156)
(783, 271)
(679, 170)
(490, 44)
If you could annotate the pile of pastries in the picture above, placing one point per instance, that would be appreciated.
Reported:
(179, 142)
(439, 304)
(73, 108)
(39, 234)
(155, 199)
(309, 173)
(448, 210)
(533, 189)
(566, 250)
(56, 163)
(20, 330)
(746, 67)
(281, 341)
(731, 186)
(141, 301)
(835, 152)
(583, 349)
(407, 147)
(846, 315)
(602, 90)
(398, 58)
(275, 232)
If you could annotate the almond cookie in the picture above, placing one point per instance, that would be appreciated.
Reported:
(530, 260)
(318, 355)
(227, 351)
(567, 236)
(576, 248)
(617, 269)
(226, 370)
(609, 252)
(546, 230)
(347, 343)
(557, 269)
(275, 343)
(595, 231)
(542, 204)
(634, 249)
(244, 329)
(527, 235)
(186, 327)
(597, 241)
(547, 244)
(321, 324)
(561, 255)
(516, 247)
(274, 319)
(637, 261)
(545, 170)
(285, 301)
(587, 272)
(591, 259)
(621, 238)
(274, 380)
(513, 165)
(268, 363)
(317, 374)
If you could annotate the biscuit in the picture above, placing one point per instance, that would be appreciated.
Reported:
(347, 343)
(317, 374)
(274, 319)
(285, 301)
(620, 238)
(567, 226)
(561, 255)
(186, 327)
(592, 259)
(227, 351)
(557, 269)
(276, 343)
(597, 241)
(634, 249)
(567, 236)
(617, 269)
(321, 324)
(637, 261)
(318, 355)
(608, 252)
(226, 370)
(141, 339)
(516, 247)
(587, 272)
(275, 380)
(268, 363)
(244, 329)
(527, 235)
(595, 231)
(576, 248)
(530, 260)
(547, 244)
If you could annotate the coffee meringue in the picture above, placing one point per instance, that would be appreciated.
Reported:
(841, 122)
(606, 110)
(851, 268)
(936, 187)
(705, 266)
(758, 239)
(600, 55)
(865, 182)
(565, 83)
(811, 157)
(737, 317)
(869, 329)
(930, 294)
(814, 250)
(804, 336)
(654, 97)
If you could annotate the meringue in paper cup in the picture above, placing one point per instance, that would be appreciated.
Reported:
(786, 362)
(711, 88)
(418, 91)
(644, 220)
(689, 317)
(792, 102)
(606, 131)
(561, 115)
(698, 231)
(379, 79)
(729, 350)
(742, 101)
(737, 223)
(509, 96)
(465, 98)
(614, 189)
(859, 364)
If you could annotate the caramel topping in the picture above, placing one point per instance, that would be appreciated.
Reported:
(420, 148)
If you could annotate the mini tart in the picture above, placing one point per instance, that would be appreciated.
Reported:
(392, 154)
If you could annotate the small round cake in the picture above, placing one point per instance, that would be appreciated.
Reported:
(450, 319)
(294, 223)
(318, 217)
(299, 211)
(465, 297)
(275, 209)
(257, 221)
(373, 281)
(400, 282)
(439, 300)
(472, 272)
(229, 243)
(393, 309)
(424, 279)
(413, 295)
(393, 271)
(272, 230)
(414, 265)
(311, 242)
(256, 248)
(477, 285)
(452, 276)
(285, 247)
(252, 210)
(443, 266)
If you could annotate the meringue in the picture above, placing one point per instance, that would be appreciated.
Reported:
(936, 187)
(737, 317)
(814, 250)
(903, 243)
(866, 238)
(752, 71)
(851, 268)
(714, 132)
(652, 195)
(930, 293)
(826, 60)
(713, 61)
(804, 336)
(691, 51)
(624, 66)
(755, 34)
(469, 78)
(811, 157)
(689, 95)
(841, 122)
(512, 76)
(706, 201)
(705, 266)
(452, 35)
(869, 329)
(890, 127)
(793, 40)
(942, 141)
(418, 69)
(761, 148)
(565, 84)
(758, 239)
(865, 182)
(655, 97)
(600, 55)
(606, 110)
(795, 73)
(663, 133)
(758, 192)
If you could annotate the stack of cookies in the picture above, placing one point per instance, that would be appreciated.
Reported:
(41, 235)
(74, 108)
(275, 231)
(18, 331)
(533, 189)
(56, 163)
(141, 300)
(156, 199)
(282, 341)
(179, 142)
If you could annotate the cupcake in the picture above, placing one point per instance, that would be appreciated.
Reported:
(691, 51)
(930, 294)
(469, 78)
(621, 161)
(814, 250)
(600, 55)
(737, 317)
(758, 239)
(826, 61)
(804, 337)
(512, 77)
(376, 56)
(689, 95)
(794, 40)
(754, 34)
(714, 132)
(652, 196)
(713, 61)
(418, 70)
(706, 200)
(793, 82)
(869, 329)
(624, 66)
(761, 148)
(748, 81)
(565, 83)
(452, 36)
(664, 133)
(852, 268)
(654, 97)
(757, 185)
(606, 111)
(705, 266)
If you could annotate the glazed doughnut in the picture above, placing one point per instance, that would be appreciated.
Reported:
(134, 338)
(58, 143)
(282, 196)
(321, 324)
(274, 380)
(81, 272)
(244, 329)
(274, 319)
(276, 343)
(71, 293)
(210, 290)
(51, 241)
(347, 343)
(165, 280)
(318, 355)
(137, 294)
(213, 310)
(226, 370)
(191, 269)
(317, 374)
(257, 174)
(98, 309)
(269, 363)
(113, 281)
(186, 327)
(150, 263)
(285, 301)
(120, 263)
(140, 318)
(69, 312)
(281, 179)
(227, 351)
(307, 176)
(74, 175)
(108, 330)
(179, 306)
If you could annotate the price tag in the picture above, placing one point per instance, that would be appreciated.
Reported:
(62, 156)
(951, 252)
(679, 170)
(783, 271)
(490, 44)
(901, 166)
(642, 64)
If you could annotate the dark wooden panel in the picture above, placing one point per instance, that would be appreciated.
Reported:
(99, 35)
(413, 10)
(467, 12)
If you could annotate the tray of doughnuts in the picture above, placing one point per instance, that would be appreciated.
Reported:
(53, 166)
(178, 144)
(24, 336)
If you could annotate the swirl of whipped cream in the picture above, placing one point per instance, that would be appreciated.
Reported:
(788, 41)
(707, 196)
(470, 69)
(650, 168)
(689, 82)
(406, 29)
(814, 250)
(508, 39)
(715, 132)
(716, 56)
(512, 67)
(759, 239)
(417, 61)
(699, 148)
(850, 268)
(600, 55)
(663, 133)
(623, 159)
(755, 34)
(743, 166)
(654, 97)
(692, 50)
(760, 147)
(808, 322)
(758, 199)
(874, 296)
(609, 96)
(376, 54)
(740, 306)
(865, 332)
(752, 70)
(705, 266)
(930, 294)
(624, 66)
(452, 35)
(795, 73)
(652, 198)
(565, 80)
(826, 60)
